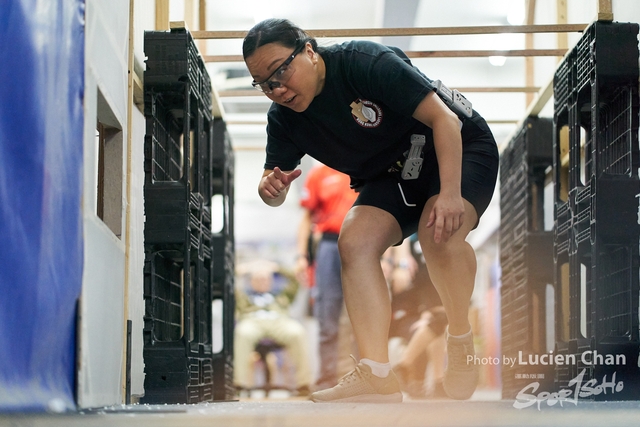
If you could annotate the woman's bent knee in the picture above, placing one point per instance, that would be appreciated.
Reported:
(367, 232)
(441, 250)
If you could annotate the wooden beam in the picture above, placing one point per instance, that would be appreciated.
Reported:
(541, 99)
(202, 14)
(510, 89)
(433, 54)
(530, 12)
(525, 89)
(433, 31)
(264, 122)
(126, 386)
(502, 122)
(529, 62)
(484, 53)
(178, 25)
(217, 109)
(202, 24)
(138, 92)
(162, 15)
(534, 109)
(561, 16)
(605, 10)
(190, 13)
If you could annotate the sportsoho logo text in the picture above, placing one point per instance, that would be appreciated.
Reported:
(577, 389)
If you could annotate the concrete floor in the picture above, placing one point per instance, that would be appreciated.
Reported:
(303, 413)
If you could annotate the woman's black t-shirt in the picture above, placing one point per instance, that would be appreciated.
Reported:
(362, 120)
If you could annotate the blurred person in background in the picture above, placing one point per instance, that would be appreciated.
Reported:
(262, 312)
(326, 199)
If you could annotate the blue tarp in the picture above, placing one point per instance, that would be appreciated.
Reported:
(41, 128)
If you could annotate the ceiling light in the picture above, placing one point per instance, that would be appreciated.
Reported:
(497, 61)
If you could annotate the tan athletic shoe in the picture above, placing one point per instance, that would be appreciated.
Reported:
(461, 375)
(360, 385)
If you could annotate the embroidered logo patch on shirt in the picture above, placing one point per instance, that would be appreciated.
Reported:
(366, 113)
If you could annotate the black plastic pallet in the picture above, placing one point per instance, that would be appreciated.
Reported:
(223, 241)
(185, 167)
(526, 252)
(173, 56)
(179, 138)
(178, 322)
(163, 140)
(177, 291)
(175, 376)
(596, 224)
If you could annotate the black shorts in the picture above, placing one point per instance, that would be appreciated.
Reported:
(405, 199)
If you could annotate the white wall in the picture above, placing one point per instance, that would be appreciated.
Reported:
(626, 11)
(102, 323)
(109, 295)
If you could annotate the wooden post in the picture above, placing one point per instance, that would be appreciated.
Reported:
(190, 14)
(412, 31)
(162, 15)
(563, 38)
(126, 360)
(202, 25)
(605, 10)
(529, 68)
(202, 17)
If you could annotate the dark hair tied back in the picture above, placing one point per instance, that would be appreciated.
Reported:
(281, 31)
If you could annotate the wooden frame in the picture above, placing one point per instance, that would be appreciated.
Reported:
(435, 31)
(420, 31)
(537, 97)
(529, 52)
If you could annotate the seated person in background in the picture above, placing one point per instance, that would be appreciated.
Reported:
(426, 348)
(262, 311)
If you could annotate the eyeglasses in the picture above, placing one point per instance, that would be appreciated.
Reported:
(281, 75)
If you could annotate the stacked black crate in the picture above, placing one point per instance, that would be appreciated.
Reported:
(596, 212)
(224, 258)
(526, 250)
(178, 240)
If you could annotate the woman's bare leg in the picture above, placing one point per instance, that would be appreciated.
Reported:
(452, 267)
(366, 233)
(417, 345)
